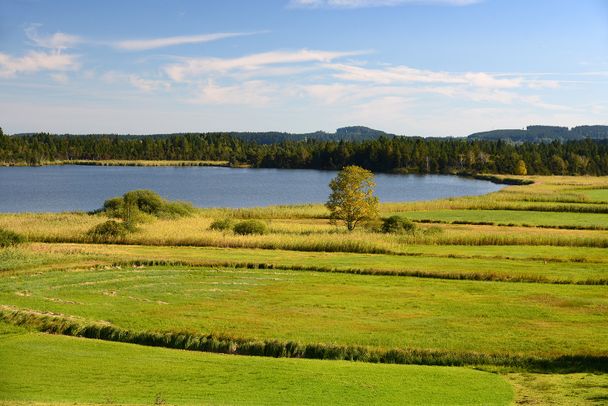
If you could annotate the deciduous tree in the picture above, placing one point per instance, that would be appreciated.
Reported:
(352, 197)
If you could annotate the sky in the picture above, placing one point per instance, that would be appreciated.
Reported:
(409, 67)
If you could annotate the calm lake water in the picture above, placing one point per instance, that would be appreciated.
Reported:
(70, 187)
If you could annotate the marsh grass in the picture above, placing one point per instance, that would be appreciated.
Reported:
(298, 234)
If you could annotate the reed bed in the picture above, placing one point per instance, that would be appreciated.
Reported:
(299, 235)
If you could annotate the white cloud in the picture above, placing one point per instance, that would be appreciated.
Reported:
(407, 75)
(58, 41)
(35, 61)
(153, 43)
(196, 66)
(148, 85)
(346, 4)
(61, 78)
(252, 93)
(137, 81)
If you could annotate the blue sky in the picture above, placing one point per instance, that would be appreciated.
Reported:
(424, 67)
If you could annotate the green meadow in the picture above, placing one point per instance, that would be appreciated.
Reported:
(497, 299)
(77, 370)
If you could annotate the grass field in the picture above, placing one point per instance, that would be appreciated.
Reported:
(377, 311)
(523, 292)
(92, 371)
(516, 217)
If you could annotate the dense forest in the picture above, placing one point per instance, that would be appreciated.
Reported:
(545, 133)
(383, 154)
(352, 133)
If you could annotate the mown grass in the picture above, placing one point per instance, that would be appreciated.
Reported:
(75, 327)
(177, 253)
(509, 265)
(596, 195)
(91, 371)
(577, 389)
(513, 217)
(378, 311)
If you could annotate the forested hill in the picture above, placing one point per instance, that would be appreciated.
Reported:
(383, 154)
(543, 133)
(352, 133)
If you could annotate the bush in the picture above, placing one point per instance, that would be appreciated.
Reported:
(113, 207)
(176, 210)
(138, 206)
(9, 238)
(434, 230)
(398, 225)
(222, 224)
(108, 231)
(374, 225)
(250, 227)
(146, 201)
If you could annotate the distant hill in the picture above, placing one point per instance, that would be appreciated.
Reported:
(353, 133)
(543, 133)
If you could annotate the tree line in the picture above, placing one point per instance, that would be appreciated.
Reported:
(383, 154)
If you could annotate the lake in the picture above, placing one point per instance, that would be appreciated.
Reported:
(75, 188)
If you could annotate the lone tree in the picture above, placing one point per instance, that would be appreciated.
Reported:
(352, 197)
(520, 168)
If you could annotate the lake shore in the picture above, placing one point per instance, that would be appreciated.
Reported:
(125, 162)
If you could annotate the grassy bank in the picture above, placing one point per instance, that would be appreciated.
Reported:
(118, 162)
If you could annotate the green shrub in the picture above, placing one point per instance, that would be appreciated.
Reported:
(9, 238)
(176, 210)
(434, 230)
(109, 231)
(146, 201)
(137, 206)
(250, 227)
(113, 207)
(222, 224)
(374, 225)
(398, 225)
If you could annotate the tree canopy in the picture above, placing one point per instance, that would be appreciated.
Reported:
(384, 154)
(352, 197)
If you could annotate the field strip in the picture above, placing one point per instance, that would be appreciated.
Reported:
(570, 268)
(78, 327)
(85, 371)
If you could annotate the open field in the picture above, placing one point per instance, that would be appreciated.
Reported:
(524, 292)
(379, 311)
(516, 217)
(91, 371)
(547, 265)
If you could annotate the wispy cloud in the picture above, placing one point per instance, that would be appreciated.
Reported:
(252, 93)
(153, 43)
(193, 67)
(52, 59)
(58, 41)
(349, 4)
(36, 61)
(408, 75)
(137, 81)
